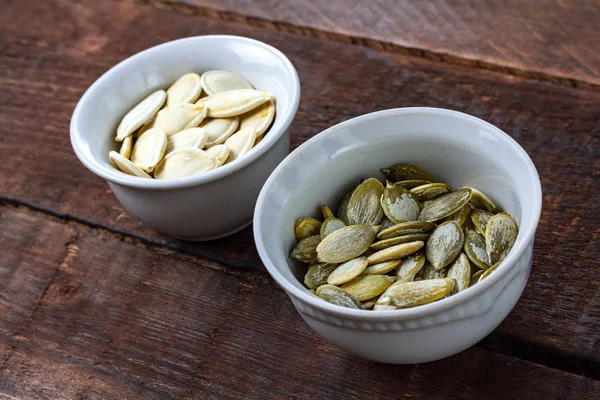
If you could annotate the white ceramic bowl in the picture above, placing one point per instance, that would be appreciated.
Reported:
(458, 149)
(213, 204)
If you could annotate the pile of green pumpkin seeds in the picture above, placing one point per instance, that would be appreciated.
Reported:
(411, 242)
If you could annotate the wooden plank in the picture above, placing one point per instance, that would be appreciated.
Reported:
(558, 126)
(27, 265)
(547, 39)
(120, 320)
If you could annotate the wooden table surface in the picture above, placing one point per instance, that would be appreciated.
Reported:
(95, 305)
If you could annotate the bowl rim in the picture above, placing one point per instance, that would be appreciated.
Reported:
(133, 181)
(423, 310)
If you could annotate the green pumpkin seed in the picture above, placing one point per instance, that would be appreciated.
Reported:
(306, 249)
(411, 266)
(460, 270)
(475, 277)
(381, 268)
(412, 183)
(403, 172)
(306, 227)
(430, 191)
(405, 228)
(461, 216)
(398, 204)
(430, 272)
(364, 207)
(366, 287)
(475, 249)
(347, 271)
(317, 274)
(394, 252)
(488, 271)
(500, 235)
(444, 244)
(327, 213)
(368, 305)
(480, 219)
(331, 225)
(337, 296)
(445, 205)
(480, 200)
(343, 207)
(411, 237)
(346, 243)
(411, 294)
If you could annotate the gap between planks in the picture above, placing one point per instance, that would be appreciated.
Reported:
(498, 343)
(378, 45)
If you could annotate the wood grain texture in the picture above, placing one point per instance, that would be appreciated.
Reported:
(550, 39)
(556, 323)
(119, 320)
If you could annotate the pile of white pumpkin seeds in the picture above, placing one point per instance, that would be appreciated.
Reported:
(411, 242)
(198, 124)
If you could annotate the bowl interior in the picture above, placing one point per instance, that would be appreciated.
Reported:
(121, 88)
(456, 148)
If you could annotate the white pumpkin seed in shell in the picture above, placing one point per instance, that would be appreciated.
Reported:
(219, 129)
(346, 243)
(126, 147)
(174, 119)
(347, 271)
(259, 119)
(184, 162)
(126, 166)
(140, 114)
(193, 138)
(220, 152)
(234, 102)
(149, 149)
(218, 81)
(186, 89)
(240, 143)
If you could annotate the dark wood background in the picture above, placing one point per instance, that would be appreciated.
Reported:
(94, 305)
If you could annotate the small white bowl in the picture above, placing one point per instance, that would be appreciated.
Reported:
(457, 148)
(207, 206)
